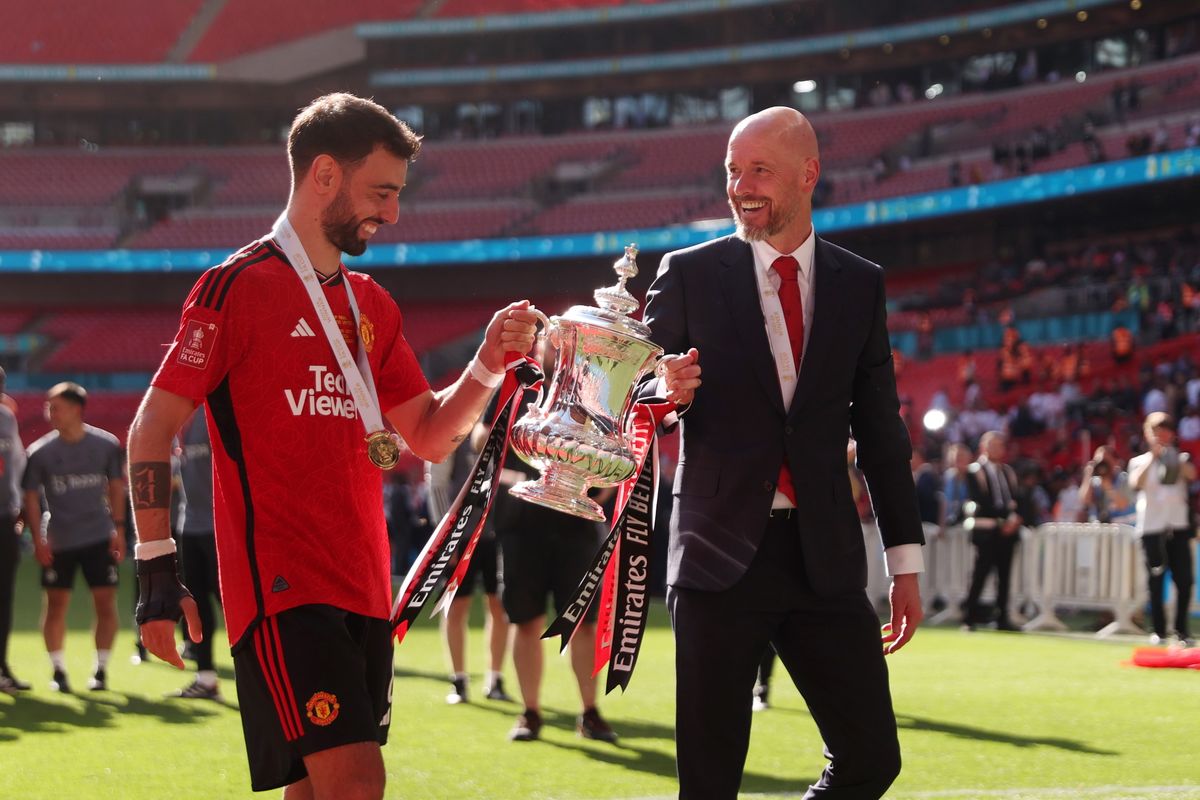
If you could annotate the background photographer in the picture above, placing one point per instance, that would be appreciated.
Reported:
(1104, 494)
(1160, 477)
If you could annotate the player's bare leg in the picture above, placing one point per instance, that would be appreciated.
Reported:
(528, 660)
(350, 772)
(454, 633)
(54, 618)
(496, 631)
(105, 601)
(54, 630)
(582, 655)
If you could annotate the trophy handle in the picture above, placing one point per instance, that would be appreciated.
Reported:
(548, 331)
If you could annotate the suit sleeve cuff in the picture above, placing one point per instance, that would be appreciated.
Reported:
(671, 419)
(904, 558)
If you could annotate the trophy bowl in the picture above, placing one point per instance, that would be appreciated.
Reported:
(576, 437)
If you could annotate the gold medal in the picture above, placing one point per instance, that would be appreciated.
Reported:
(383, 450)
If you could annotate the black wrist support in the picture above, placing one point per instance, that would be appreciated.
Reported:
(159, 590)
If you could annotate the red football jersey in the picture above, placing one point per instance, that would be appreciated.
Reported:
(298, 507)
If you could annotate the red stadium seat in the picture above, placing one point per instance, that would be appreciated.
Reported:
(109, 340)
(244, 26)
(477, 8)
(94, 31)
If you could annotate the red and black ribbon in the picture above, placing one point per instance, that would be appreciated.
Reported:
(621, 568)
(443, 562)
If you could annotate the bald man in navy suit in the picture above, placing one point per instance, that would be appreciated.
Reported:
(790, 335)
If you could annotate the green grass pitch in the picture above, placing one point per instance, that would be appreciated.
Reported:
(982, 715)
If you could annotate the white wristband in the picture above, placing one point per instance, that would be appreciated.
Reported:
(144, 551)
(484, 375)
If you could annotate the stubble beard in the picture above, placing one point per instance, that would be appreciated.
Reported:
(779, 219)
(341, 227)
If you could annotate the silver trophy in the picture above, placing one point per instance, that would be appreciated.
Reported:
(577, 437)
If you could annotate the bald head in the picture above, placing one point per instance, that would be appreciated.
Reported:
(771, 168)
(994, 445)
(787, 125)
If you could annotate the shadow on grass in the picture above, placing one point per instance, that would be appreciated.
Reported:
(409, 672)
(909, 722)
(627, 755)
(656, 762)
(224, 671)
(30, 713)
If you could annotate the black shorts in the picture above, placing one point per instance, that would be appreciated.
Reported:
(309, 679)
(96, 561)
(546, 560)
(484, 568)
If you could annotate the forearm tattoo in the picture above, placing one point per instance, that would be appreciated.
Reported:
(151, 484)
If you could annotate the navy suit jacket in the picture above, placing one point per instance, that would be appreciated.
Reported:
(736, 431)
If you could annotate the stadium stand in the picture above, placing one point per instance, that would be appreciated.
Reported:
(231, 185)
(476, 8)
(248, 176)
(239, 28)
(610, 212)
(964, 129)
(515, 185)
(58, 239)
(502, 168)
(226, 228)
(14, 320)
(92, 31)
(656, 159)
(449, 221)
(518, 185)
(37, 177)
(111, 340)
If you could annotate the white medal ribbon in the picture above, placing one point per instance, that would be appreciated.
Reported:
(357, 372)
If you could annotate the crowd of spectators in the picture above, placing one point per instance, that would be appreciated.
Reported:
(1072, 411)
(1067, 432)
(1158, 277)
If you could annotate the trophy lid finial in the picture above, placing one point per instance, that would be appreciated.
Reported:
(617, 298)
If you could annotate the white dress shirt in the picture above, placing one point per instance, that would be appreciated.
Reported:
(902, 558)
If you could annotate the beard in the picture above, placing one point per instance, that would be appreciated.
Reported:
(341, 227)
(780, 217)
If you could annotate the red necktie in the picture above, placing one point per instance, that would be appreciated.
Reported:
(786, 268)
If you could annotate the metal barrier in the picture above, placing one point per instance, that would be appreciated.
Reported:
(949, 560)
(1059, 565)
(1094, 566)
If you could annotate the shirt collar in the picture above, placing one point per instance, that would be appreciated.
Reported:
(765, 254)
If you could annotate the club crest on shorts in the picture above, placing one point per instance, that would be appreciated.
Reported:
(322, 708)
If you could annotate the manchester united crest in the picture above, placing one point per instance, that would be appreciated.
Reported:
(366, 332)
(322, 708)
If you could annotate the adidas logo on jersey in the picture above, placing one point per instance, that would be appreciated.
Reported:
(302, 329)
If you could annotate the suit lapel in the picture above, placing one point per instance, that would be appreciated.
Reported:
(1010, 482)
(989, 486)
(827, 273)
(740, 290)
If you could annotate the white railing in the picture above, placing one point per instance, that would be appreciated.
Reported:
(1058, 566)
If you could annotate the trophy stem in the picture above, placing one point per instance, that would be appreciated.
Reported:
(561, 490)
